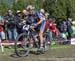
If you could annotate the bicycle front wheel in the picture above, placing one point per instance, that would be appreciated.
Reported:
(22, 45)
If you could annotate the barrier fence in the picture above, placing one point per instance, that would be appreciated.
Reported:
(2, 44)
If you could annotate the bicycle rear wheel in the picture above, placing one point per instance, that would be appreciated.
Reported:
(47, 42)
(22, 45)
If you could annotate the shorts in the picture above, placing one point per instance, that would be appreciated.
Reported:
(43, 25)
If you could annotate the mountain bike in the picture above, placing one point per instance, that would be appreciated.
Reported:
(25, 39)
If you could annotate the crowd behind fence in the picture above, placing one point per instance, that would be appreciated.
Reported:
(11, 24)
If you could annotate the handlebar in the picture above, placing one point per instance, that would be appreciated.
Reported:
(32, 27)
(27, 27)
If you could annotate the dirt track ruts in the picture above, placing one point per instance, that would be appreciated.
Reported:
(58, 54)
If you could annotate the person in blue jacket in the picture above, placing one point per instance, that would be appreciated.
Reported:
(69, 28)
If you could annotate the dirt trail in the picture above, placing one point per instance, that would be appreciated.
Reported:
(59, 54)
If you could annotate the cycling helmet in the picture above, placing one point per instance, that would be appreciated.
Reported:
(30, 7)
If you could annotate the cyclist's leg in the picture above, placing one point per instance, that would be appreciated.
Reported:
(41, 34)
(41, 38)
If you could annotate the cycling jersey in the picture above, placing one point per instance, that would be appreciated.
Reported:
(31, 19)
(42, 25)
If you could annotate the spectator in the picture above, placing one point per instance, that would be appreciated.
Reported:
(63, 29)
(25, 15)
(73, 27)
(18, 21)
(47, 26)
(69, 28)
(53, 28)
(2, 23)
(11, 25)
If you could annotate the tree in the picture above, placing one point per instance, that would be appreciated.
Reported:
(62, 8)
(57, 8)
(4, 6)
(53, 8)
(72, 9)
(21, 4)
(18, 5)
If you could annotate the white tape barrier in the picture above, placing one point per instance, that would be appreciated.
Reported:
(72, 41)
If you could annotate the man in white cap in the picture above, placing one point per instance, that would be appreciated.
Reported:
(18, 21)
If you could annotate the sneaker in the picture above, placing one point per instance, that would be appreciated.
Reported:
(41, 50)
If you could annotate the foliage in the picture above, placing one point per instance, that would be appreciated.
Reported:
(57, 8)
(62, 8)
(4, 6)
(22, 4)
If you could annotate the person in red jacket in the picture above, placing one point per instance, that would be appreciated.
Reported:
(2, 23)
(51, 27)
(47, 26)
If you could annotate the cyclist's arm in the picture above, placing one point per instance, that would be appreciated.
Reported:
(39, 22)
(41, 19)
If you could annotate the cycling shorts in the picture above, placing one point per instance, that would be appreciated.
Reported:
(43, 25)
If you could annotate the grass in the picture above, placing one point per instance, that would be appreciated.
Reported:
(6, 52)
(9, 51)
(63, 46)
